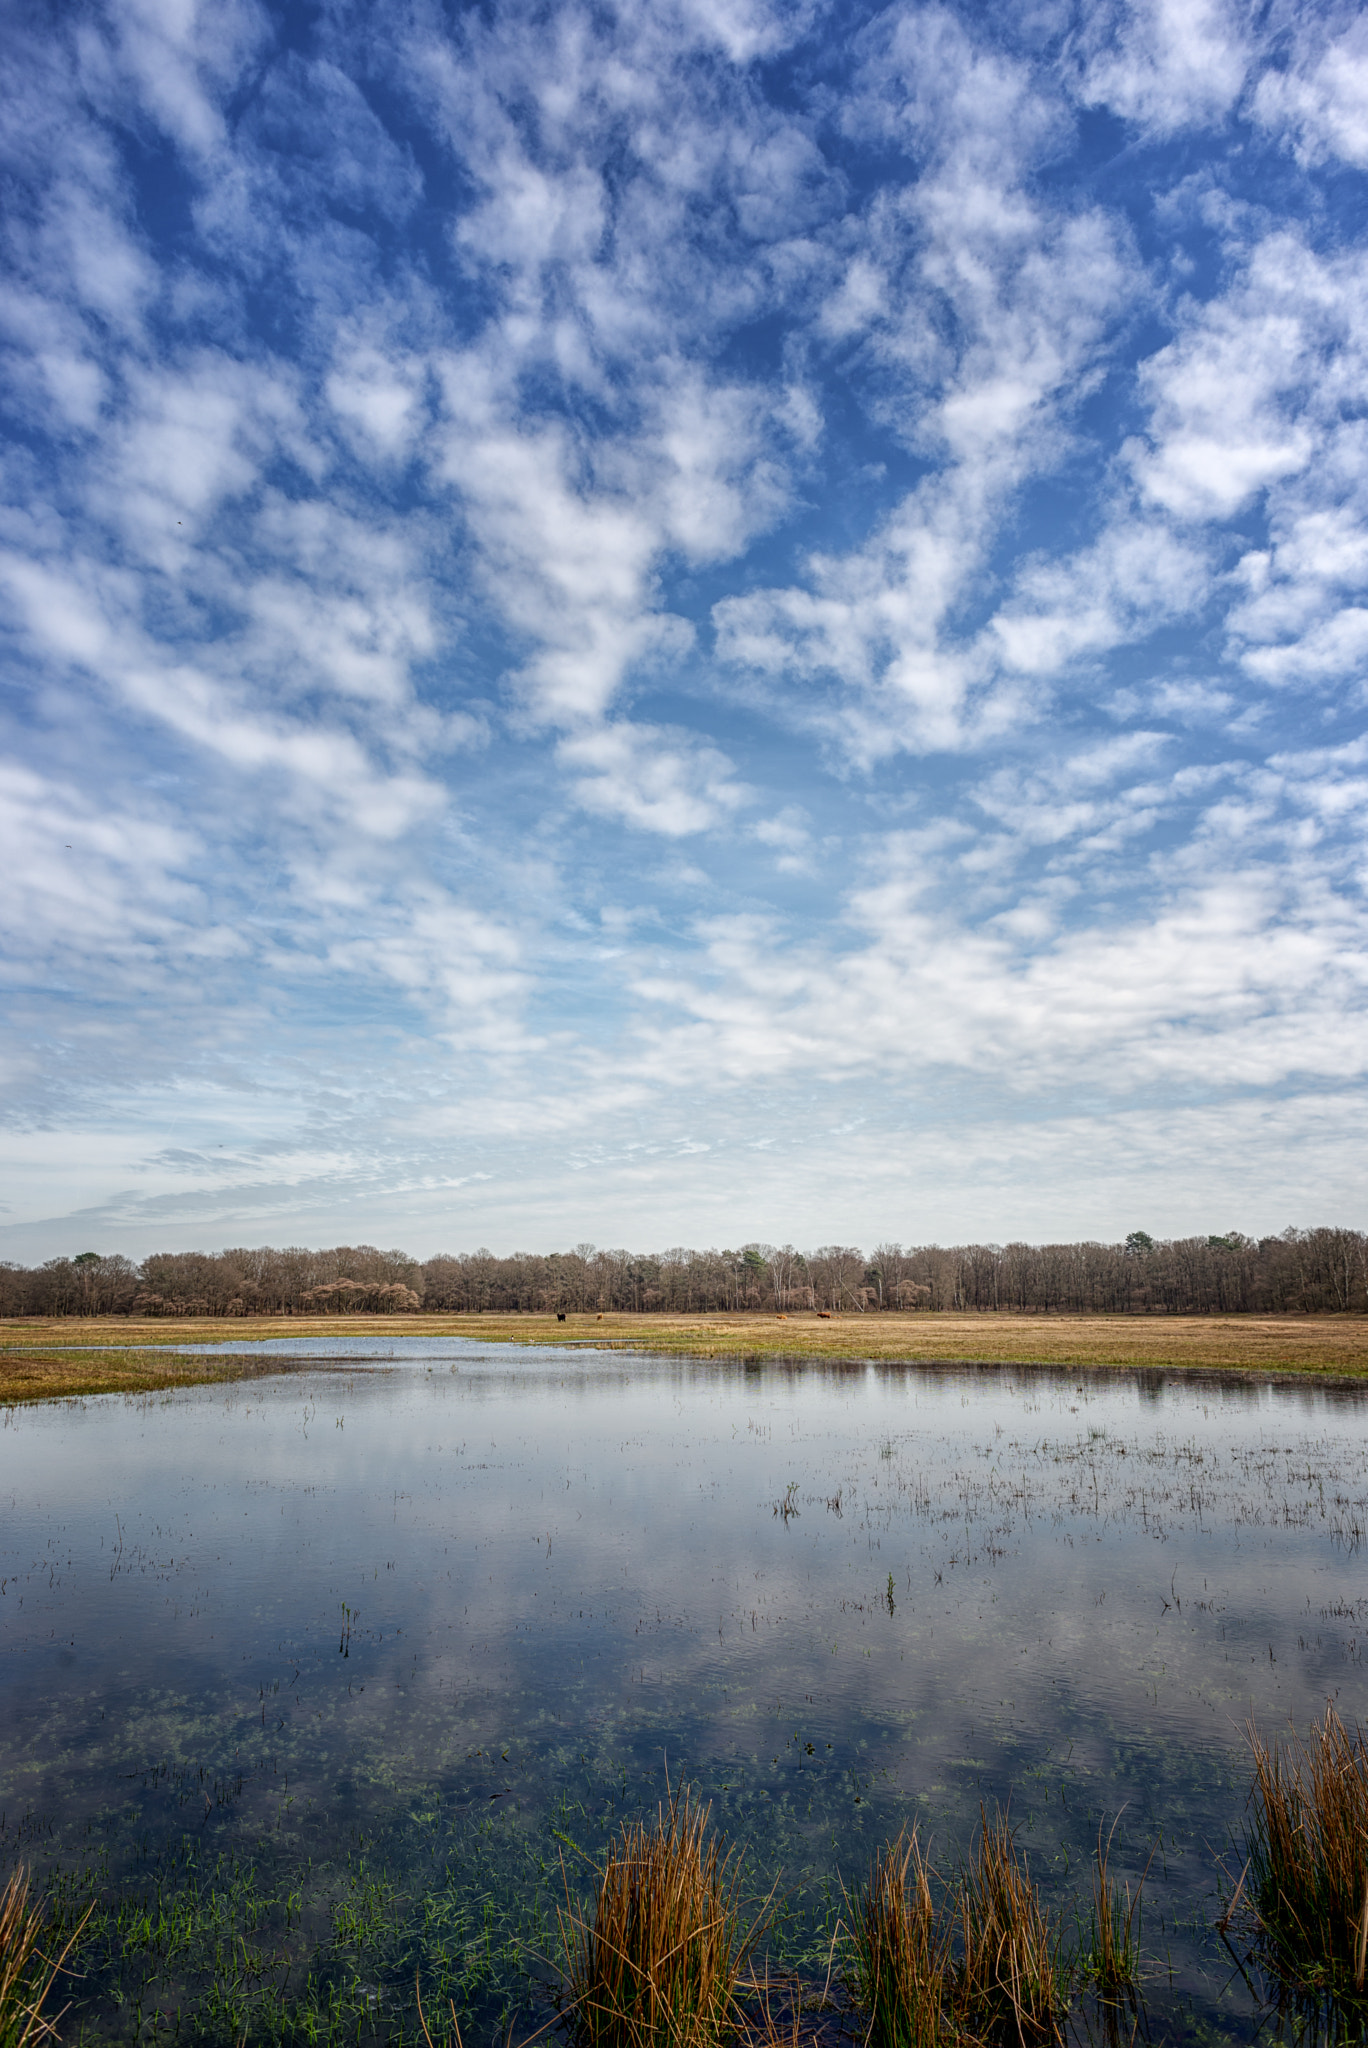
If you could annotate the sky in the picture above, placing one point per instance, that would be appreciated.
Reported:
(681, 623)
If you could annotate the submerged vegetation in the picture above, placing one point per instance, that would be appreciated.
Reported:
(656, 1955)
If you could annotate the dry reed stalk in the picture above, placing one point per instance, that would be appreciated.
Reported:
(1007, 1984)
(658, 1964)
(26, 1972)
(1308, 1856)
(900, 1956)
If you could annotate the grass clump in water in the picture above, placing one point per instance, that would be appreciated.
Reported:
(900, 1956)
(1008, 1981)
(987, 1970)
(658, 1963)
(1308, 1858)
(1110, 1955)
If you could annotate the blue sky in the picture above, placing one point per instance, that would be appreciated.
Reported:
(682, 622)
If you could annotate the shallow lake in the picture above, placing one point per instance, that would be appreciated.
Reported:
(321, 1680)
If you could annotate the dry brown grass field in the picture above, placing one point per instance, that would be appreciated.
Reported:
(42, 1360)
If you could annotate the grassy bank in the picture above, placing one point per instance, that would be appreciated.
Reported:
(51, 1360)
(34, 1370)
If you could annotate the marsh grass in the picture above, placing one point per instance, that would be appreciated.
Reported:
(27, 1970)
(58, 1374)
(657, 1964)
(1308, 1859)
(986, 1968)
(1109, 1956)
(1008, 1981)
(900, 1956)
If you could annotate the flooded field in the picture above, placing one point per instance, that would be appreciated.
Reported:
(323, 1682)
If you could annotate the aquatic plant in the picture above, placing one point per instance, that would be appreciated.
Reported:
(657, 1964)
(1007, 1984)
(1308, 1857)
(1109, 1957)
(899, 1956)
(27, 1972)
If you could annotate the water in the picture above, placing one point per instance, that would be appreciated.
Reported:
(315, 1682)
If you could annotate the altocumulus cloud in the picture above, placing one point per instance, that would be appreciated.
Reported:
(686, 620)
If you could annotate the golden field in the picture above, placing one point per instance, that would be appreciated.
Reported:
(41, 1360)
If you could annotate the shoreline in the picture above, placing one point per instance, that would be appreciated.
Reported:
(62, 1359)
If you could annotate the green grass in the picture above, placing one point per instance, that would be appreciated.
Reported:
(248, 1945)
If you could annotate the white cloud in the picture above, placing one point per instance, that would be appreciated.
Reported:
(328, 768)
(49, 363)
(170, 61)
(1295, 590)
(1193, 702)
(788, 834)
(1228, 396)
(1251, 977)
(87, 877)
(655, 778)
(1334, 647)
(378, 397)
(188, 438)
(1136, 575)
(1318, 103)
(570, 549)
(318, 139)
(1164, 64)
(1028, 294)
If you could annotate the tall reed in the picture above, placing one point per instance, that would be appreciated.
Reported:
(1007, 1986)
(1308, 1857)
(27, 1972)
(657, 1965)
(900, 1956)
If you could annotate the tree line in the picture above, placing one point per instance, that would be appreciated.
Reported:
(1299, 1272)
